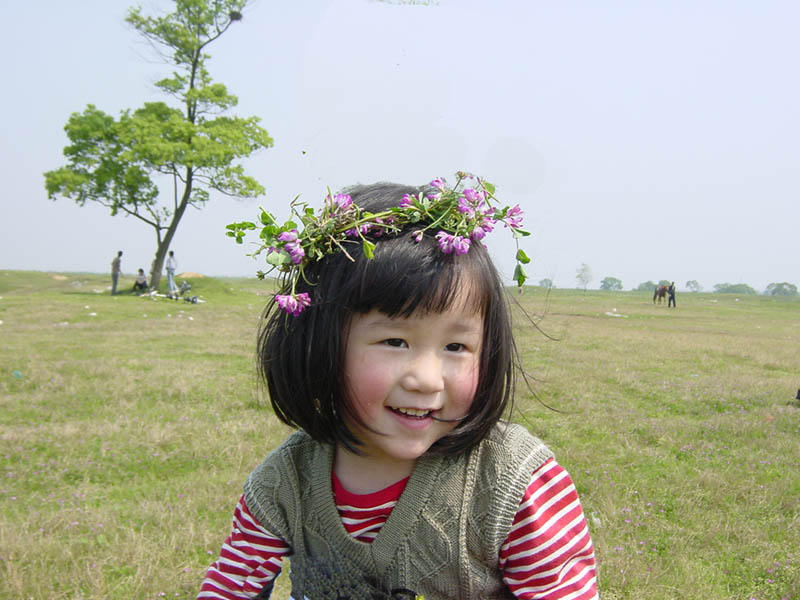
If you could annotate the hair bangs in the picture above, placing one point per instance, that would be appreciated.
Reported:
(407, 277)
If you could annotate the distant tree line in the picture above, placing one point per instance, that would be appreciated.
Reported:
(612, 284)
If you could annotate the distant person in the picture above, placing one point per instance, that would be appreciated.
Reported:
(141, 282)
(671, 292)
(116, 269)
(172, 264)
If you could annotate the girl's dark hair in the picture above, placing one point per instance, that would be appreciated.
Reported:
(301, 358)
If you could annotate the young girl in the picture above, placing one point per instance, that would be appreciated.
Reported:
(396, 364)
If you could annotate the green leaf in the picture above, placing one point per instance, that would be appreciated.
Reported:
(522, 257)
(490, 189)
(518, 233)
(519, 275)
(277, 258)
(369, 249)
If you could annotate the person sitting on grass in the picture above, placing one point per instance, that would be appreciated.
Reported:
(141, 283)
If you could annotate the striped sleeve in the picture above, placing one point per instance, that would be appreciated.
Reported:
(249, 561)
(548, 553)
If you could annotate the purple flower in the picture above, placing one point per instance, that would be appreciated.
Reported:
(343, 201)
(479, 231)
(354, 232)
(449, 243)
(406, 201)
(438, 183)
(473, 196)
(291, 245)
(293, 304)
(514, 217)
(288, 236)
(417, 236)
(465, 208)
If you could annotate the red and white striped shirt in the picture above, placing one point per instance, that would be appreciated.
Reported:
(548, 553)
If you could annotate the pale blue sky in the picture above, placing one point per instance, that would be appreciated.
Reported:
(648, 140)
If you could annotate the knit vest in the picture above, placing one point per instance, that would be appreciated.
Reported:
(441, 540)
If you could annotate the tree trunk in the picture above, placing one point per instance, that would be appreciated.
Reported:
(163, 244)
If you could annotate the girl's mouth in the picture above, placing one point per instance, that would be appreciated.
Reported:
(412, 413)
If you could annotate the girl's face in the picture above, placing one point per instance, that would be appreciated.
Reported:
(401, 371)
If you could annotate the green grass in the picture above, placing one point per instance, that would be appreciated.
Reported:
(128, 425)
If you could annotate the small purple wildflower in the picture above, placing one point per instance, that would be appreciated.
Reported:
(479, 231)
(473, 196)
(417, 236)
(449, 243)
(514, 217)
(293, 305)
(406, 201)
(343, 201)
(288, 236)
(438, 183)
(354, 232)
(465, 208)
(291, 245)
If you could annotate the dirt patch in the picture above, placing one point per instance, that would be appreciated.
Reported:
(59, 277)
(190, 275)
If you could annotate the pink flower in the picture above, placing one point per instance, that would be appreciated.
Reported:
(288, 236)
(417, 236)
(465, 208)
(406, 201)
(354, 232)
(438, 183)
(293, 304)
(514, 217)
(473, 196)
(291, 245)
(449, 243)
(343, 201)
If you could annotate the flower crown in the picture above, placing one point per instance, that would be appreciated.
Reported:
(462, 216)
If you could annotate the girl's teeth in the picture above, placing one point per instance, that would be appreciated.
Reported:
(412, 412)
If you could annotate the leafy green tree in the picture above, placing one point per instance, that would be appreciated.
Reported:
(546, 283)
(693, 286)
(647, 286)
(611, 284)
(734, 288)
(781, 289)
(116, 162)
(664, 282)
(584, 275)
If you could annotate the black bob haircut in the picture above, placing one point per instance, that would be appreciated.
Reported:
(301, 358)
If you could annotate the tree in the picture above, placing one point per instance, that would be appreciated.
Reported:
(584, 275)
(664, 282)
(611, 284)
(117, 162)
(647, 286)
(693, 286)
(781, 289)
(734, 288)
(546, 283)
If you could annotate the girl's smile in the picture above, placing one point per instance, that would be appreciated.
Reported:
(403, 374)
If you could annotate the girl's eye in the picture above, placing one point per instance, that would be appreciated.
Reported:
(454, 347)
(394, 342)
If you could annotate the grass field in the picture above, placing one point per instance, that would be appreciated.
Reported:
(128, 425)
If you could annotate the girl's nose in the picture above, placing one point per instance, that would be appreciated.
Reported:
(424, 375)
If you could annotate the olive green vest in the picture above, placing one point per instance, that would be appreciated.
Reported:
(441, 540)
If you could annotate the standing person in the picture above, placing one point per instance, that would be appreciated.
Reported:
(116, 269)
(671, 292)
(172, 264)
(397, 364)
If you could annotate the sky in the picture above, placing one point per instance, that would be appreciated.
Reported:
(648, 140)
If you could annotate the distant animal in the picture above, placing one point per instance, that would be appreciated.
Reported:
(660, 293)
